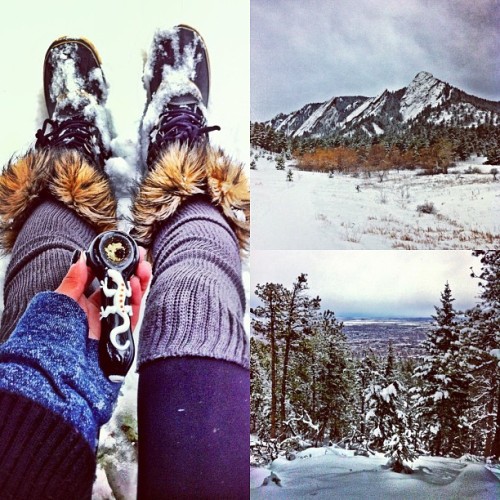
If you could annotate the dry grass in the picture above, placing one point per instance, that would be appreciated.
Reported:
(448, 235)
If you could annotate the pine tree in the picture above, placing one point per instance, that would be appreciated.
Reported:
(367, 373)
(260, 402)
(333, 400)
(390, 364)
(284, 321)
(399, 447)
(267, 322)
(442, 397)
(280, 163)
(297, 317)
(493, 156)
(387, 415)
(481, 331)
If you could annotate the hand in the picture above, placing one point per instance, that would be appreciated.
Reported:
(79, 276)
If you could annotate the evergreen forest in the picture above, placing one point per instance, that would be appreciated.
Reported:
(307, 389)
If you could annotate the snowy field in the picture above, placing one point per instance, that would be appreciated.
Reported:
(122, 32)
(315, 211)
(326, 473)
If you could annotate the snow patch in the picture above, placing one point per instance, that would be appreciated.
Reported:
(332, 213)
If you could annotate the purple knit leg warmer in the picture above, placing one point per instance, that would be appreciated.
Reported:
(197, 301)
(41, 257)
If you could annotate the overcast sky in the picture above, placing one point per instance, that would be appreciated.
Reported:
(306, 51)
(373, 283)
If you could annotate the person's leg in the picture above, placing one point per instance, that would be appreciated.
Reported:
(196, 303)
(194, 429)
(56, 197)
(193, 362)
(40, 257)
(192, 212)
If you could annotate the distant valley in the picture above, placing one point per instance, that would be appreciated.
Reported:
(406, 335)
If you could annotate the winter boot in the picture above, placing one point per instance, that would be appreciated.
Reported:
(67, 162)
(178, 158)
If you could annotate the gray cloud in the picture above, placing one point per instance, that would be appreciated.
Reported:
(374, 283)
(310, 51)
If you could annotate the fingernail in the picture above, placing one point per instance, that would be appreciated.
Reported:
(76, 256)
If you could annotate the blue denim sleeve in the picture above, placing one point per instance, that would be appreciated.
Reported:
(50, 359)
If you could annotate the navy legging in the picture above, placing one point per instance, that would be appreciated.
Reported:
(193, 429)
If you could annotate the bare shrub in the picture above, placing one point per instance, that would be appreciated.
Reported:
(427, 208)
(472, 170)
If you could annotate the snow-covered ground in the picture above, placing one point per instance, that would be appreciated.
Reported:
(315, 211)
(326, 473)
(122, 31)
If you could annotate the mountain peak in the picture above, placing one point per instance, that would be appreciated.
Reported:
(424, 90)
(422, 76)
(370, 115)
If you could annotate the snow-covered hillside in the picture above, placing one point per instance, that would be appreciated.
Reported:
(329, 472)
(315, 211)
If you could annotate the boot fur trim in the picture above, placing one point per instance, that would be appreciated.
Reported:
(65, 175)
(227, 185)
(177, 174)
(181, 172)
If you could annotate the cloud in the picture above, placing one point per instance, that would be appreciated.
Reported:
(310, 51)
(375, 283)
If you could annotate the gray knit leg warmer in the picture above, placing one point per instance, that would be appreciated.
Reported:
(40, 257)
(197, 301)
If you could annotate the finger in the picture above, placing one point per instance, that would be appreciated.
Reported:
(95, 299)
(144, 272)
(90, 277)
(144, 255)
(135, 300)
(92, 309)
(74, 283)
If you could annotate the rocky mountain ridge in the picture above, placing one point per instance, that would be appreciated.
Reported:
(426, 98)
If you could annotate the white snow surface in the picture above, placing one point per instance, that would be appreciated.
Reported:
(315, 211)
(122, 33)
(387, 392)
(326, 473)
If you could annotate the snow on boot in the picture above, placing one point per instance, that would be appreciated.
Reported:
(67, 161)
(174, 138)
(177, 82)
(75, 95)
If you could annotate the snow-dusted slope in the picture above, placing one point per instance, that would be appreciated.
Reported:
(315, 211)
(326, 473)
(316, 118)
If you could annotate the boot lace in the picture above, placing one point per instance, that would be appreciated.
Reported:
(75, 133)
(180, 124)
